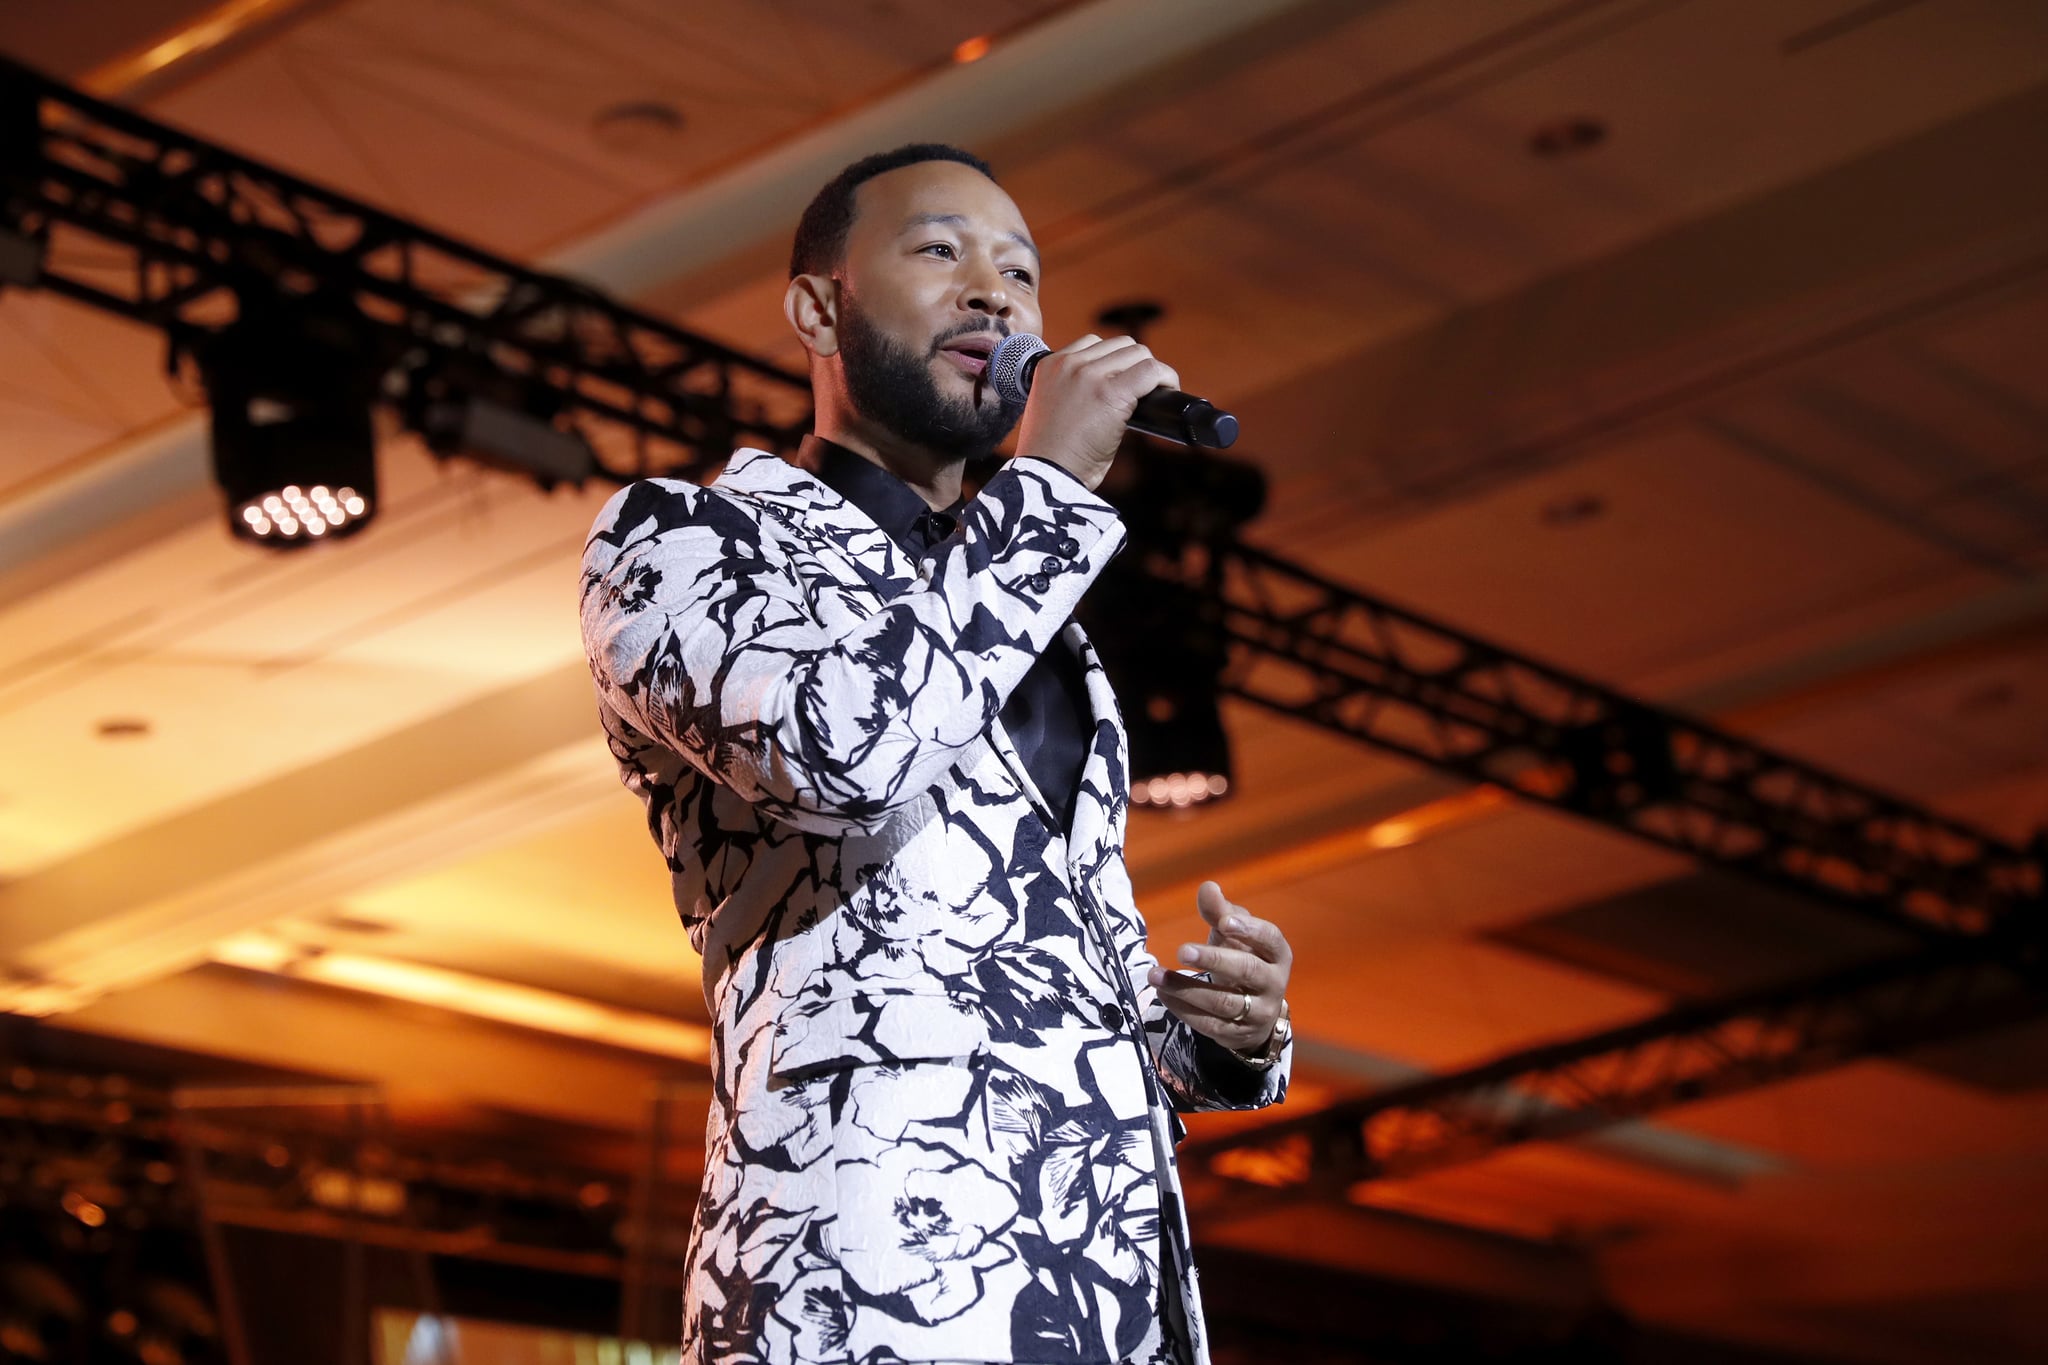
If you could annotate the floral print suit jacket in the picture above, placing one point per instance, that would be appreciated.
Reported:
(944, 1093)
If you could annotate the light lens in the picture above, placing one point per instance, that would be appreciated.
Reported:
(1179, 790)
(292, 511)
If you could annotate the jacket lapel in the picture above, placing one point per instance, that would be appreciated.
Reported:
(1100, 809)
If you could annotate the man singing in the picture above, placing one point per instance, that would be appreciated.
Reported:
(888, 776)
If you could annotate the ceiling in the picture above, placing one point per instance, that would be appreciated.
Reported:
(1742, 407)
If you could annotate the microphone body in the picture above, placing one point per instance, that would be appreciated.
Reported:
(1166, 413)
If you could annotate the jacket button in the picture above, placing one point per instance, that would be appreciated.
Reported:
(1068, 546)
(1041, 582)
(1051, 565)
(1112, 1018)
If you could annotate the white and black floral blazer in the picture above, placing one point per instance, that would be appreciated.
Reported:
(944, 1091)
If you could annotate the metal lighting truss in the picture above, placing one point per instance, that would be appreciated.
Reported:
(120, 212)
(1693, 1052)
(1323, 653)
(196, 230)
(1329, 655)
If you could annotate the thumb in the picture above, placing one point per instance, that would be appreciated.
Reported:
(1210, 903)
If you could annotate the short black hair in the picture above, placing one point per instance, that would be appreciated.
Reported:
(821, 232)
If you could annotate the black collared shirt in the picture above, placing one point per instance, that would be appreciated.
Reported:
(1046, 716)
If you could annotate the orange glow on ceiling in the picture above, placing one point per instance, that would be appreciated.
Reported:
(211, 29)
(503, 1002)
(974, 49)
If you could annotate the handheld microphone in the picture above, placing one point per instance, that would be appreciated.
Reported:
(1166, 413)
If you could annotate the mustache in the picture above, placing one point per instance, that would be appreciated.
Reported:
(995, 328)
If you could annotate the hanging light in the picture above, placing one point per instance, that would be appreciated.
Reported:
(292, 392)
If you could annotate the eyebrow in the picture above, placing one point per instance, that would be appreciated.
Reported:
(918, 220)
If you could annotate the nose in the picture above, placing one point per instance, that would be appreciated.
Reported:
(986, 293)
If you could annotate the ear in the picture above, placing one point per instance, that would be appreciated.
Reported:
(811, 303)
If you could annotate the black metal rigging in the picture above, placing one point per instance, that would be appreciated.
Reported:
(1320, 652)
(115, 210)
(1693, 1052)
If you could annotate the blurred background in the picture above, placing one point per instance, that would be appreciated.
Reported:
(1697, 349)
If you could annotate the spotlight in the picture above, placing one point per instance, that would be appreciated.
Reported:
(1155, 613)
(1180, 755)
(294, 448)
(1164, 651)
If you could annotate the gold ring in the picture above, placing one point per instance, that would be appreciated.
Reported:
(1244, 1007)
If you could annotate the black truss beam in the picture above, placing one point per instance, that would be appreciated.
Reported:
(1693, 1052)
(128, 215)
(1320, 652)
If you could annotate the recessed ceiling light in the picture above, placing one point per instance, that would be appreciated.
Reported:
(638, 127)
(1570, 511)
(974, 49)
(122, 727)
(1568, 137)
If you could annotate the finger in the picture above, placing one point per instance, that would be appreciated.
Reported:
(1096, 349)
(1231, 968)
(1223, 1004)
(1126, 364)
(1245, 930)
(1216, 908)
(1138, 379)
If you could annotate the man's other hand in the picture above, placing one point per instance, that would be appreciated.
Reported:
(1247, 961)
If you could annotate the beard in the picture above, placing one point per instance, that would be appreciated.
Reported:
(893, 386)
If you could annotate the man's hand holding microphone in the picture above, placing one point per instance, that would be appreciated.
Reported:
(1082, 398)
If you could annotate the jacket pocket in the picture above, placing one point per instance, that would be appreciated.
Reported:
(875, 1028)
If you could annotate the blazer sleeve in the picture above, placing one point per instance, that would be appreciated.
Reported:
(1198, 1073)
(701, 634)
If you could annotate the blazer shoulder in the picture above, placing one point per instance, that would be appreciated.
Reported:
(653, 509)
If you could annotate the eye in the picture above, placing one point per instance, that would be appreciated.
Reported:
(1023, 275)
(946, 247)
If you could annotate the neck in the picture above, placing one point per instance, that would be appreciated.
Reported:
(931, 475)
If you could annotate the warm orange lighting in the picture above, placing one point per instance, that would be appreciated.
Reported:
(1286, 1162)
(974, 49)
(211, 29)
(1337, 849)
(1462, 1207)
(482, 997)
(1179, 790)
(348, 1191)
(84, 1210)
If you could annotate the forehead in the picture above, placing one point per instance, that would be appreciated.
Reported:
(895, 201)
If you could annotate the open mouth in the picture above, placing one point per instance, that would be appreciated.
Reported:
(970, 353)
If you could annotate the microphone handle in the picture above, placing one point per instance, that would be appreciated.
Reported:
(1175, 416)
(1169, 414)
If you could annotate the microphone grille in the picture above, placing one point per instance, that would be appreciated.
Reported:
(1007, 364)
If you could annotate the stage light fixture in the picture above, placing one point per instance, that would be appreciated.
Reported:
(1164, 651)
(1180, 754)
(294, 446)
(1155, 613)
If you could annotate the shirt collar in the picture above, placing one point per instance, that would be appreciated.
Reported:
(893, 505)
